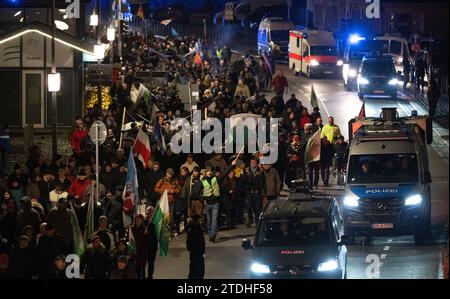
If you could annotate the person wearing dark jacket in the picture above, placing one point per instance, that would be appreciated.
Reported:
(28, 216)
(50, 246)
(61, 218)
(191, 193)
(123, 270)
(140, 238)
(96, 260)
(6, 269)
(195, 244)
(294, 170)
(254, 180)
(121, 250)
(109, 177)
(152, 176)
(229, 189)
(113, 210)
(326, 159)
(341, 151)
(152, 241)
(45, 186)
(58, 270)
(23, 259)
(433, 95)
(17, 183)
(105, 234)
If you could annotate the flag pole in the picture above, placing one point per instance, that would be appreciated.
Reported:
(157, 204)
(121, 128)
(240, 152)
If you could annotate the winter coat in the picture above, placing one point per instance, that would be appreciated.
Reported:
(172, 187)
(192, 192)
(141, 245)
(78, 187)
(128, 273)
(75, 140)
(61, 219)
(242, 90)
(96, 263)
(47, 250)
(279, 83)
(107, 239)
(254, 181)
(272, 183)
(113, 210)
(24, 262)
(326, 155)
(28, 216)
(195, 241)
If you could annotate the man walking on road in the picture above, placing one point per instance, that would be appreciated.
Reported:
(195, 244)
(331, 131)
(433, 95)
(279, 83)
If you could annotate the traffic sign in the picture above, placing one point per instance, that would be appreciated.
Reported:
(229, 15)
(98, 132)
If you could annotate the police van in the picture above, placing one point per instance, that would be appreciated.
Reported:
(298, 239)
(388, 183)
(273, 37)
(356, 49)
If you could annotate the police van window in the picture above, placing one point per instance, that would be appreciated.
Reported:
(295, 231)
(368, 169)
(396, 48)
(385, 67)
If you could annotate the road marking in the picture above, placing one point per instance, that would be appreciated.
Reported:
(383, 256)
(386, 248)
(390, 241)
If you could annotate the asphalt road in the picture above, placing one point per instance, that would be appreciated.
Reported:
(397, 257)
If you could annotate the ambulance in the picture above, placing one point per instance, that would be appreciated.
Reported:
(314, 53)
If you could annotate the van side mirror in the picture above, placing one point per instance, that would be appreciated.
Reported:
(247, 244)
(427, 177)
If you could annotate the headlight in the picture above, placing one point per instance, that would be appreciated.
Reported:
(351, 201)
(314, 62)
(413, 200)
(339, 63)
(352, 73)
(393, 82)
(260, 268)
(363, 81)
(330, 265)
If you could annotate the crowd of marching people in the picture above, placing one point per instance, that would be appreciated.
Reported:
(44, 205)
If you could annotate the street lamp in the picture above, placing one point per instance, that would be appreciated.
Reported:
(93, 21)
(54, 82)
(99, 51)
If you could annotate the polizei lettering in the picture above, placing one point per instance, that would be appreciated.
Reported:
(381, 190)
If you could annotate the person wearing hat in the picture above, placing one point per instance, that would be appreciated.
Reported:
(105, 234)
(79, 186)
(50, 246)
(61, 217)
(151, 178)
(96, 261)
(122, 249)
(173, 190)
(195, 244)
(190, 163)
(27, 215)
(254, 181)
(122, 269)
(191, 192)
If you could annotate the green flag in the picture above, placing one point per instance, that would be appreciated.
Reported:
(131, 241)
(313, 100)
(312, 151)
(161, 219)
(89, 227)
(77, 235)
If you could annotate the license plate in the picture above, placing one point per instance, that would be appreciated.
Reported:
(382, 225)
(328, 72)
(378, 91)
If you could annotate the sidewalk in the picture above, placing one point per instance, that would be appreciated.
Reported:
(440, 125)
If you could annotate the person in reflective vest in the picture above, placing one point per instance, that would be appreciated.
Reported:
(210, 194)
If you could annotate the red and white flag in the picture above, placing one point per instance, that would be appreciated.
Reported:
(362, 112)
(142, 148)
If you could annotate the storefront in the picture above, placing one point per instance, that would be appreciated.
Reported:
(25, 61)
